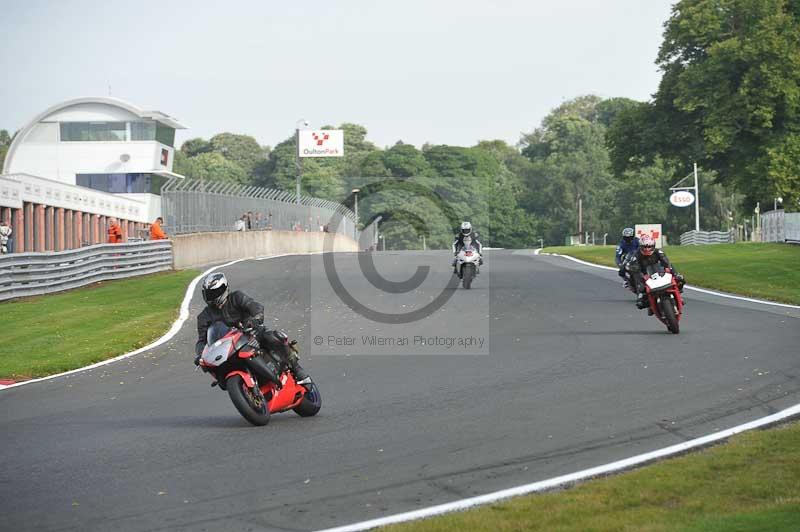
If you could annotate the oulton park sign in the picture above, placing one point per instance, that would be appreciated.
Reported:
(320, 143)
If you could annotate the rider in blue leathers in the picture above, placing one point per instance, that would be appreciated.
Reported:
(628, 245)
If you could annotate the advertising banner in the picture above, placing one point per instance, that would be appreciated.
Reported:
(320, 143)
(654, 230)
(681, 198)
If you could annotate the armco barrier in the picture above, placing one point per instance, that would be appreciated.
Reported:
(30, 274)
(198, 249)
(691, 238)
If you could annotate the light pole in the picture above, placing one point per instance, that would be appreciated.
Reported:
(604, 238)
(299, 162)
(355, 192)
(775, 203)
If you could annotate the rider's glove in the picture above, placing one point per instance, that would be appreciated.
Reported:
(197, 360)
(250, 323)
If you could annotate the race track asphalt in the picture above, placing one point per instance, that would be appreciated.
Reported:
(572, 376)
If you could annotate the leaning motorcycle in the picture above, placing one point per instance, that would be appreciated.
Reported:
(663, 292)
(257, 390)
(630, 279)
(468, 263)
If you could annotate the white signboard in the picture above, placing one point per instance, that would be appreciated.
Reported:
(320, 143)
(681, 198)
(654, 230)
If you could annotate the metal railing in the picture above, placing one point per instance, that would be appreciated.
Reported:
(193, 206)
(30, 274)
(691, 238)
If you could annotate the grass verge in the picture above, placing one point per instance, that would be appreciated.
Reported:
(767, 271)
(750, 484)
(59, 332)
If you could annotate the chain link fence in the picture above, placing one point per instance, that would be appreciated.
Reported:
(193, 206)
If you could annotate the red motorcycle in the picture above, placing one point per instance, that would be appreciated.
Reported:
(664, 295)
(258, 381)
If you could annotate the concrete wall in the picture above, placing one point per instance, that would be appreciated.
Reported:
(198, 249)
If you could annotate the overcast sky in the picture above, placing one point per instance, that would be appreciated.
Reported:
(445, 72)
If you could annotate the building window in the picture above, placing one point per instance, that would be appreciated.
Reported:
(93, 131)
(165, 135)
(143, 131)
(122, 183)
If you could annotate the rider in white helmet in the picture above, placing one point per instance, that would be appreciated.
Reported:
(458, 243)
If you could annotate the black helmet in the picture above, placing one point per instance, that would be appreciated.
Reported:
(215, 289)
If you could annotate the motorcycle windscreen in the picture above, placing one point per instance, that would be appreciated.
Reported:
(216, 330)
(659, 282)
(217, 353)
(217, 350)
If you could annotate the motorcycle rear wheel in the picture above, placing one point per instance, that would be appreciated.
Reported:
(668, 312)
(244, 401)
(311, 403)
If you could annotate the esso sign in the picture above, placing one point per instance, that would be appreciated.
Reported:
(681, 198)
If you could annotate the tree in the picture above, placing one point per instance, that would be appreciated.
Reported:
(404, 160)
(211, 166)
(5, 142)
(570, 162)
(240, 149)
(195, 146)
(729, 97)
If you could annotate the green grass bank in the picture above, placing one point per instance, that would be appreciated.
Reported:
(749, 484)
(767, 271)
(49, 334)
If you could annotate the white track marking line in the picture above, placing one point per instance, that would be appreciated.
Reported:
(613, 467)
(570, 478)
(176, 326)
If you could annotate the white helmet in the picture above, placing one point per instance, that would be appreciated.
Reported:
(466, 228)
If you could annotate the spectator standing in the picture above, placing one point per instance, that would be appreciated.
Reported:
(156, 232)
(5, 236)
(249, 220)
(241, 224)
(114, 231)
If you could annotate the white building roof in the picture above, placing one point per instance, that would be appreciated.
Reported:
(62, 113)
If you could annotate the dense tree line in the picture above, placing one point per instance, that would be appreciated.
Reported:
(514, 195)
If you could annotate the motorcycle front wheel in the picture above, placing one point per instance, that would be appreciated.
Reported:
(311, 403)
(252, 407)
(668, 312)
(467, 274)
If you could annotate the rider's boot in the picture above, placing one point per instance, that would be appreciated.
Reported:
(297, 370)
(641, 301)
